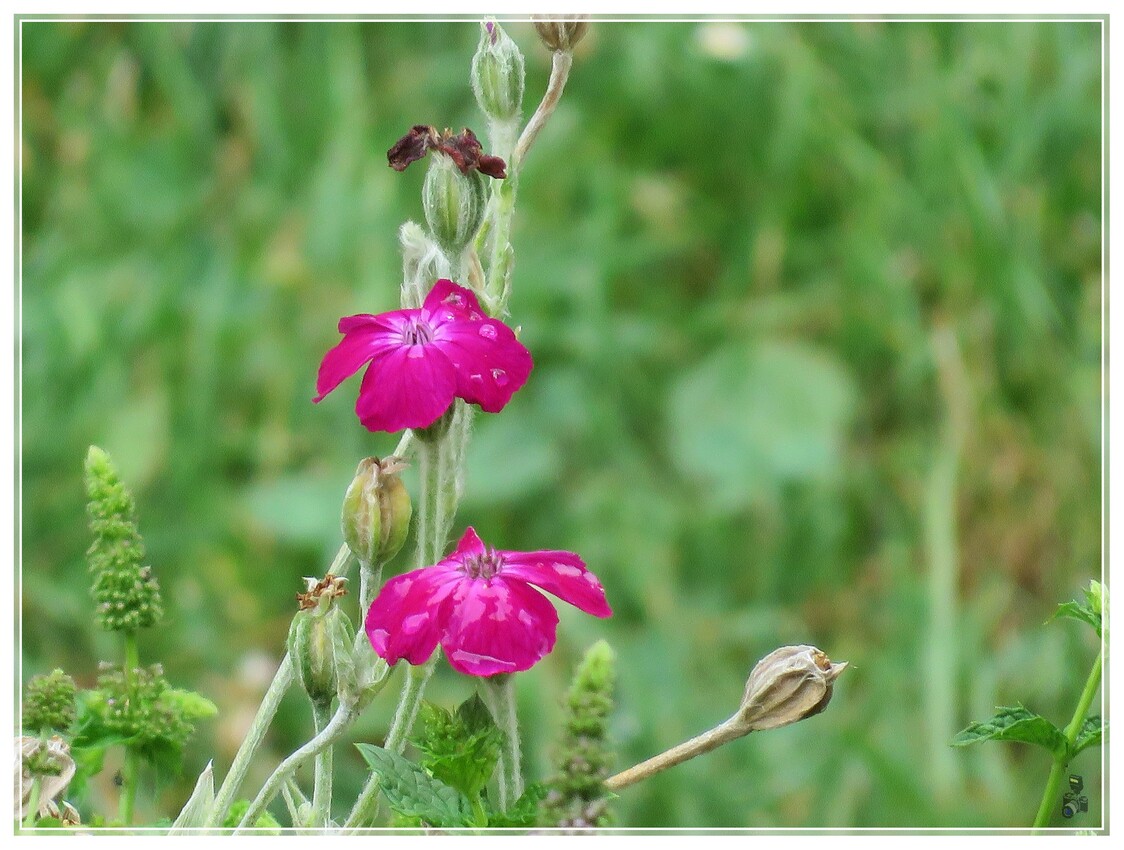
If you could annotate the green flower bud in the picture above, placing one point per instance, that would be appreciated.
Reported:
(376, 511)
(497, 74)
(127, 594)
(320, 642)
(141, 706)
(1095, 597)
(561, 35)
(576, 795)
(787, 685)
(48, 703)
(454, 203)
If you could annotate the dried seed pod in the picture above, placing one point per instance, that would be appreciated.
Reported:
(787, 685)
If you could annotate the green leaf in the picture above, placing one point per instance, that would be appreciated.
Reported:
(189, 705)
(1090, 734)
(1015, 724)
(412, 792)
(460, 749)
(524, 813)
(48, 823)
(1076, 611)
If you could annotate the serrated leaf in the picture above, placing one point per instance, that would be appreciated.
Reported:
(525, 811)
(1076, 611)
(1090, 734)
(412, 792)
(474, 716)
(1015, 724)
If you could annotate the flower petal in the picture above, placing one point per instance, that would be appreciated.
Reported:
(562, 573)
(497, 627)
(406, 618)
(406, 387)
(448, 301)
(491, 364)
(363, 340)
(469, 544)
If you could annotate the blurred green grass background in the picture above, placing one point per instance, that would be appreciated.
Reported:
(816, 315)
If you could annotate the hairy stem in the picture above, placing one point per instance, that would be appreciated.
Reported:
(322, 787)
(343, 718)
(704, 743)
(500, 696)
(559, 73)
(1053, 783)
(33, 803)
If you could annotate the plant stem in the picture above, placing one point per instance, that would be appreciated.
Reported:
(500, 696)
(343, 718)
(704, 743)
(1053, 783)
(559, 73)
(322, 787)
(33, 803)
(131, 769)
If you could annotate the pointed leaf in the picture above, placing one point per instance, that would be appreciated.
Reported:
(412, 792)
(198, 807)
(1015, 724)
(1090, 734)
(1076, 611)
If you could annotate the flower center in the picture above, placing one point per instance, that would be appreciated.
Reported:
(417, 333)
(483, 566)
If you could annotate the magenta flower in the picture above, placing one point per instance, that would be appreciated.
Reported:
(479, 605)
(418, 361)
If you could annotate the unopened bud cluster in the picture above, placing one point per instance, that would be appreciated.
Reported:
(454, 203)
(126, 592)
(498, 74)
(51, 763)
(787, 685)
(320, 642)
(376, 511)
(576, 796)
(140, 705)
(49, 703)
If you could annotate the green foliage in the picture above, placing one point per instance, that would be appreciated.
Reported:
(576, 795)
(265, 821)
(1015, 724)
(49, 703)
(413, 793)
(1089, 735)
(1089, 611)
(203, 200)
(460, 749)
(139, 711)
(127, 594)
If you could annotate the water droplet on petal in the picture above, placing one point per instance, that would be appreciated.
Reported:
(500, 377)
(479, 379)
(487, 331)
(448, 316)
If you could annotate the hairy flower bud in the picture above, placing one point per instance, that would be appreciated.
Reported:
(787, 685)
(376, 511)
(320, 641)
(497, 74)
(48, 703)
(561, 35)
(454, 203)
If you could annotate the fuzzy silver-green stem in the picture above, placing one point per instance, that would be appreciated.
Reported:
(499, 694)
(339, 724)
(559, 73)
(731, 730)
(322, 781)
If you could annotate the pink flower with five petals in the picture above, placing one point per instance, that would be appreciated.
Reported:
(479, 605)
(418, 361)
